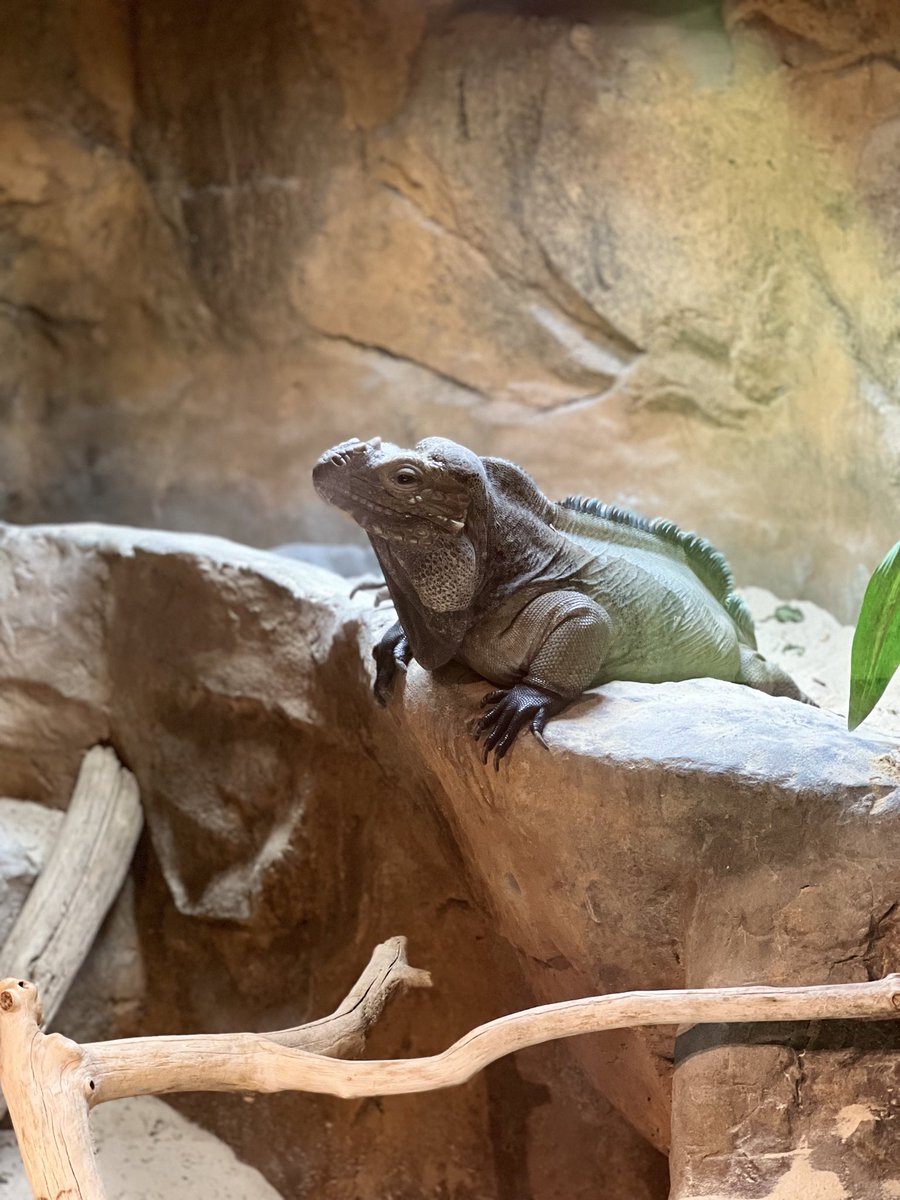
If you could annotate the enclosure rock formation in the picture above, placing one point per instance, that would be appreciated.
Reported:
(228, 680)
(695, 833)
(647, 251)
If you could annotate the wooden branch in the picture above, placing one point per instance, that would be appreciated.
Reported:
(40, 1077)
(343, 1033)
(65, 908)
(83, 875)
(250, 1062)
(51, 1083)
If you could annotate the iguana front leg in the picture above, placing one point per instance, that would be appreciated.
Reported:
(392, 654)
(571, 634)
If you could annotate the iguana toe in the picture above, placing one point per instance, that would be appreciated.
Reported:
(512, 709)
(537, 727)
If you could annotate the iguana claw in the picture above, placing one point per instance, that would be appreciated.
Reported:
(392, 654)
(511, 710)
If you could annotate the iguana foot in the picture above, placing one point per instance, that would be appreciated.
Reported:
(512, 709)
(392, 654)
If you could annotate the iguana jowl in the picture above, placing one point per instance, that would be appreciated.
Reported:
(544, 600)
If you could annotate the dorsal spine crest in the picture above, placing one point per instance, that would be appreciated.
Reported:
(708, 563)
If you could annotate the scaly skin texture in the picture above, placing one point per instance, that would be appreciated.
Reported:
(544, 600)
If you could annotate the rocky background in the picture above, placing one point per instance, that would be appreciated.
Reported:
(649, 250)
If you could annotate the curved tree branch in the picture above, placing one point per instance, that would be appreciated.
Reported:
(253, 1062)
(51, 1082)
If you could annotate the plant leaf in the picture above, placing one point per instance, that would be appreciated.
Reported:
(876, 643)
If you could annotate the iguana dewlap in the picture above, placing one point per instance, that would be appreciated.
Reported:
(545, 600)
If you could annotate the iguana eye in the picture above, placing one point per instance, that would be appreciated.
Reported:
(408, 477)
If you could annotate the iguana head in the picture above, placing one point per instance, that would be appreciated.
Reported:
(453, 532)
(426, 513)
(413, 498)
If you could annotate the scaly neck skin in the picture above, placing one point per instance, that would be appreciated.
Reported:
(434, 584)
(507, 545)
(523, 550)
(444, 576)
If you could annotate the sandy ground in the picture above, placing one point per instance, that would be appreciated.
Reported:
(147, 1151)
(815, 650)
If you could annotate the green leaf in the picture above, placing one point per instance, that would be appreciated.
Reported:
(876, 642)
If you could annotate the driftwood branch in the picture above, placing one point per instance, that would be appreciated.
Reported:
(51, 1082)
(250, 1062)
(83, 875)
(343, 1033)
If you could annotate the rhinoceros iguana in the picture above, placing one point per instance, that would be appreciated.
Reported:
(542, 599)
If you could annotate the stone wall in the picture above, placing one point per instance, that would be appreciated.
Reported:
(648, 250)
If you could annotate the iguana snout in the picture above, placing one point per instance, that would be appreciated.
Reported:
(405, 496)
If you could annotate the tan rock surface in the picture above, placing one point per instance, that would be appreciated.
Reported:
(693, 833)
(648, 256)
